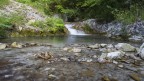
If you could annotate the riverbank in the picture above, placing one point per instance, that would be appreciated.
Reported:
(100, 62)
(21, 20)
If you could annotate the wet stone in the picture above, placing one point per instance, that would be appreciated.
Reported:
(105, 78)
(87, 73)
(135, 77)
(2, 46)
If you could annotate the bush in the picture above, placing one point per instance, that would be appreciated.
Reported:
(51, 24)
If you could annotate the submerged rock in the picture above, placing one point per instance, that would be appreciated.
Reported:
(125, 47)
(2, 46)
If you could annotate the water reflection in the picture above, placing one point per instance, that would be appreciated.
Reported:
(62, 40)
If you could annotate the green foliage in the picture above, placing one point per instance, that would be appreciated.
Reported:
(102, 10)
(52, 24)
(7, 22)
(3, 3)
(129, 16)
(38, 4)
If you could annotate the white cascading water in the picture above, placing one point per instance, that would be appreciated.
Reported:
(74, 31)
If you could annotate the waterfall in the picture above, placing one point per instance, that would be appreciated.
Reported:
(74, 31)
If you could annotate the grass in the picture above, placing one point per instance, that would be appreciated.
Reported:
(52, 24)
(7, 22)
(3, 3)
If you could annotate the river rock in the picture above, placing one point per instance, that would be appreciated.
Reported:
(121, 66)
(2, 46)
(52, 76)
(110, 46)
(96, 46)
(44, 55)
(125, 47)
(85, 60)
(115, 55)
(102, 59)
(115, 62)
(52, 69)
(142, 73)
(141, 51)
(103, 45)
(104, 50)
(64, 59)
(135, 77)
(16, 45)
(76, 50)
(66, 48)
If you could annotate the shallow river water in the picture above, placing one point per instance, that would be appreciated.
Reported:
(21, 64)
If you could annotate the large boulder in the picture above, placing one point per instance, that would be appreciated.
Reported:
(2, 46)
(125, 47)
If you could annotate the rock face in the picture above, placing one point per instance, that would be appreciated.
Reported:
(117, 29)
(2, 46)
(125, 47)
(141, 51)
(95, 26)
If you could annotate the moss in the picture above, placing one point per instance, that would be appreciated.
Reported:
(87, 29)
(84, 27)
(31, 33)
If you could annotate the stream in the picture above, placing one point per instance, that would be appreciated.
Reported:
(23, 64)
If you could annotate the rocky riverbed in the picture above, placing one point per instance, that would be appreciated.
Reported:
(74, 62)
